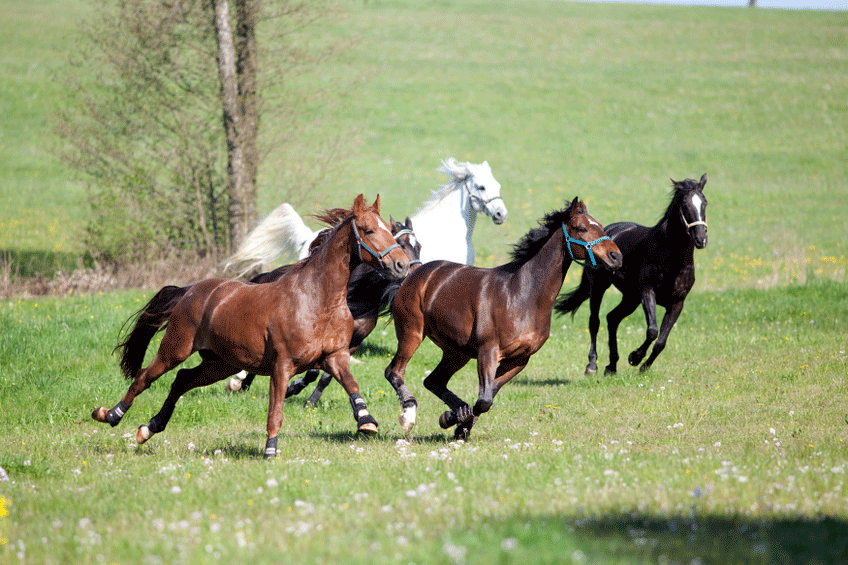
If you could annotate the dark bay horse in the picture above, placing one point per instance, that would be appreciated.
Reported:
(368, 292)
(499, 316)
(298, 322)
(658, 269)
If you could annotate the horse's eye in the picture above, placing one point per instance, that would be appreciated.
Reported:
(481, 188)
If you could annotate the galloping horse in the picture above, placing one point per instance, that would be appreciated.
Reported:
(444, 224)
(659, 269)
(367, 293)
(298, 322)
(499, 316)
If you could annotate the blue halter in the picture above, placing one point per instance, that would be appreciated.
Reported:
(362, 245)
(588, 245)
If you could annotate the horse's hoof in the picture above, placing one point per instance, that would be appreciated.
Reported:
(634, 359)
(590, 370)
(447, 419)
(368, 429)
(143, 434)
(100, 414)
(233, 385)
(609, 371)
(407, 418)
(644, 368)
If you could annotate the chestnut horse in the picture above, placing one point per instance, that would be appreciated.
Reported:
(298, 322)
(499, 316)
(658, 270)
(368, 292)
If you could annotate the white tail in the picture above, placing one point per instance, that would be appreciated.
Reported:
(281, 233)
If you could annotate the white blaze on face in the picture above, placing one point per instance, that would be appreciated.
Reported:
(594, 223)
(696, 203)
(384, 226)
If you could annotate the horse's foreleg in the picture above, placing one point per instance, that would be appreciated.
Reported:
(323, 382)
(669, 319)
(338, 365)
(596, 296)
(237, 382)
(614, 318)
(276, 398)
(649, 305)
(296, 386)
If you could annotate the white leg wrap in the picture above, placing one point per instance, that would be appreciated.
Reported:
(407, 418)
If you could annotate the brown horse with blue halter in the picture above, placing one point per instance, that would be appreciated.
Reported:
(499, 316)
(300, 321)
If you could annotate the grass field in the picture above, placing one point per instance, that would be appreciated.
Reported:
(730, 450)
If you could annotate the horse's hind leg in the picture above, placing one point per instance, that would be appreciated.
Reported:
(210, 370)
(436, 382)
(174, 349)
(408, 342)
(649, 305)
(614, 318)
(670, 318)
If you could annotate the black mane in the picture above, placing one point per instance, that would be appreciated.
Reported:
(529, 245)
(680, 189)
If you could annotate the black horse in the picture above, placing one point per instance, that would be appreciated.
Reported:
(368, 293)
(658, 269)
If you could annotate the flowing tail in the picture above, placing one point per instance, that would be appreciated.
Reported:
(281, 233)
(570, 302)
(149, 321)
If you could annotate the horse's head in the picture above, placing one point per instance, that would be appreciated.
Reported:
(586, 239)
(375, 244)
(481, 188)
(693, 208)
(405, 237)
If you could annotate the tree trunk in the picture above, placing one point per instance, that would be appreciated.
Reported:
(239, 189)
(246, 70)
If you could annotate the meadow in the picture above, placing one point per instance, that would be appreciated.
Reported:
(730, 450)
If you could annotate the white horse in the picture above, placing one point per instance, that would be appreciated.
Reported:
(447, 218)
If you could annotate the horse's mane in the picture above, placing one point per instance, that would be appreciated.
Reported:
(458, 173)
(529, 245)
(333, 217)
(679, 190)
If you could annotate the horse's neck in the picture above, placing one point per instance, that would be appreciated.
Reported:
(545, 272)
(445, 229)
(329, 267)
(673, 236)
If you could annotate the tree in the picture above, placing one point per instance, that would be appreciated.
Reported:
(163, 115)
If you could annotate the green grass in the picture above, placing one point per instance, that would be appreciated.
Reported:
(731, 449)
(737, 434)
(602, 101)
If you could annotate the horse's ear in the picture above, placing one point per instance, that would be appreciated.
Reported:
(408, 223)
(359, 205)
(376, 204)
(574, 205)
(703, 182)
